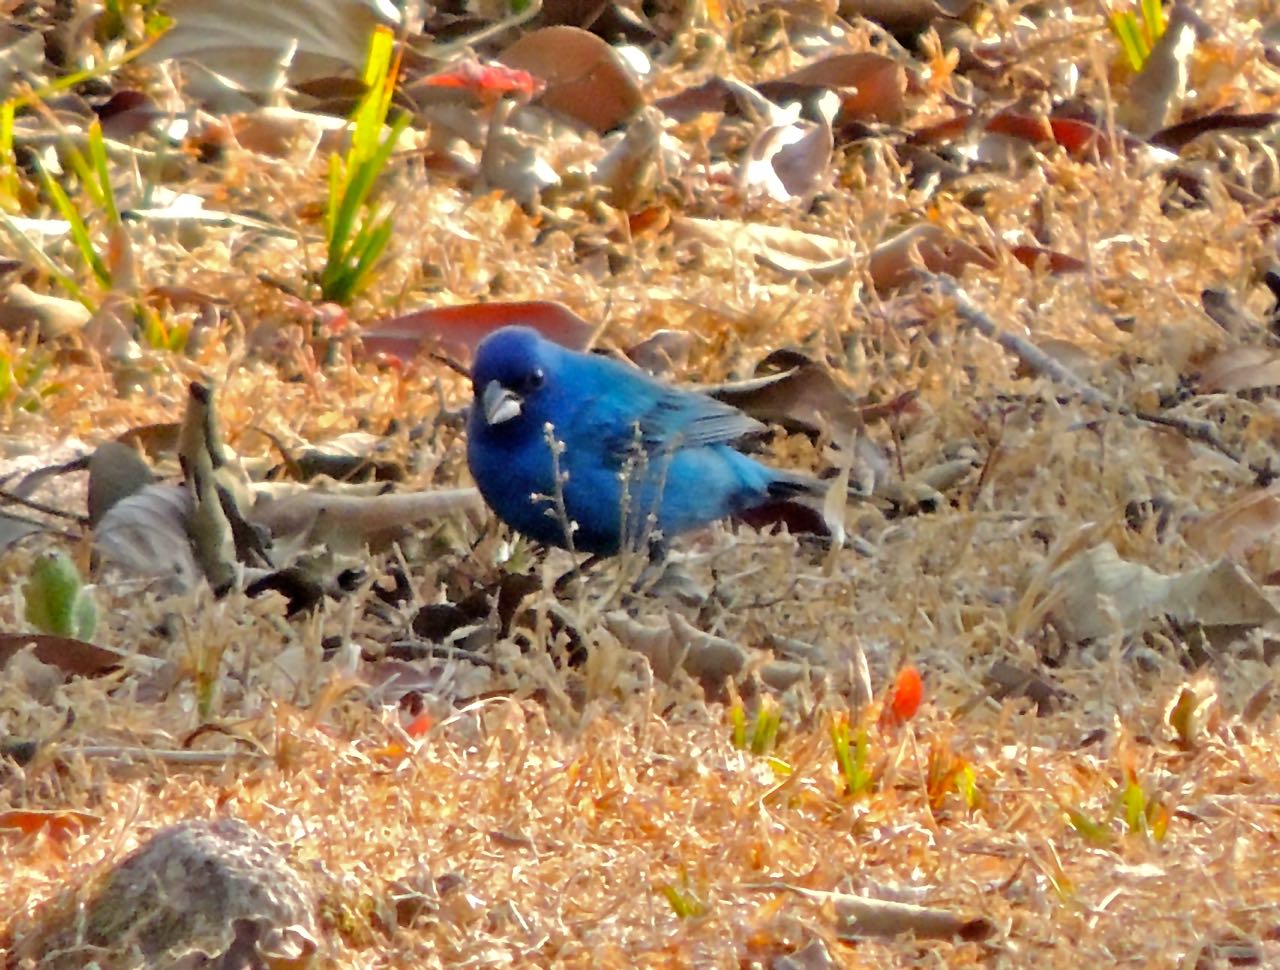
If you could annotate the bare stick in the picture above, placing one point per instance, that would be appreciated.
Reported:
(1042, 363)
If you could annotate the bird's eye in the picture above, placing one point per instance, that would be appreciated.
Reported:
(535, 380)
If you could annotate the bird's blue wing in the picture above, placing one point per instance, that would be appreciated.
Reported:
(663, 420)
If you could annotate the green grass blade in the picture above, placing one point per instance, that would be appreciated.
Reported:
(8, 160)
(1125, 27)
(98, 156)
(79, 231)
(39, 256)
(1152, 22)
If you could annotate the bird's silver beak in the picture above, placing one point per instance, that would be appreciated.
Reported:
(500, 404)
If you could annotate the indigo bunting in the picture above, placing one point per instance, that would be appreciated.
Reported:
(638, 461)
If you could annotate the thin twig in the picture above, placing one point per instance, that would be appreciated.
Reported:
(168, 756)
(1042, 363)
(30, 503)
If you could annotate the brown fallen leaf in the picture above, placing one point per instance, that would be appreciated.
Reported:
(347, 522)
(805, 398)
(1240, 368)
(75, 658)
(899, 260)
(1243, 524)
(585, 78)
(872, 87)
(1098, 594)
(905, 16)
(1177, 136)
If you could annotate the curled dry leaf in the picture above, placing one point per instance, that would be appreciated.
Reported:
(146, 533)
(1238, 527)
(789, 161)
(510, 159)
(1243, 368)
(585, 78)
(216, 485)
(871, 86)
(52, 317)
(708, 659)
(791, 251)
(234, 48)
(806, 398)
(925, 246)
(1099, 594)
(347, 522)
(458, 329)
(635, 163)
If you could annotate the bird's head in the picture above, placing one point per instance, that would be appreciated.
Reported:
(509, 377)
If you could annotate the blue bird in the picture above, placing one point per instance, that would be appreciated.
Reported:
(638, 461)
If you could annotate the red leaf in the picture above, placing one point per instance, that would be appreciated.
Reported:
(904, 700)
(457, 329)
(488, 81)
(60, 823)
(419, 726)
(1057, 262)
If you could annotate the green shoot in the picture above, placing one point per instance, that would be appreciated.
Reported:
(947, 772)
(764, 727)
(79, 231)
(357, 232)
(95, 178)
(21, 371)
(1138, 36)
(1142, 815)
(1093, 832)
(9, 183)
(94, 174)
(159, 335)
(41, 258)
(851, 758)
(684, 902)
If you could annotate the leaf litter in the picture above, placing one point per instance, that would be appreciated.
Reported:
(1058, 468)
